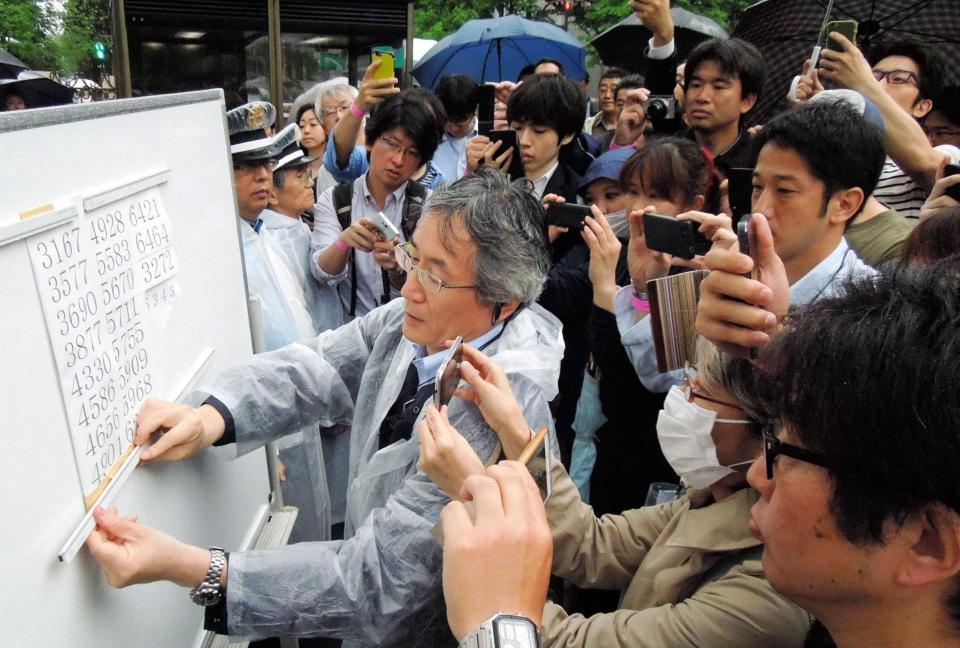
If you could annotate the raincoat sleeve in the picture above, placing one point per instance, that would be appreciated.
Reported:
(738, 609)
(637, 338)
(326, 229)
(299, 385)
(371, 586)
(604, 552)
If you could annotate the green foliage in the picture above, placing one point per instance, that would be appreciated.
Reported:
(84, 23)
(56, 40)
(26, 29)
(438, 18)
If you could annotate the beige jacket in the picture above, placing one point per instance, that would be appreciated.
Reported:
(660, 556)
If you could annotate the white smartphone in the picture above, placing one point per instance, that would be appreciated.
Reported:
(384, 227)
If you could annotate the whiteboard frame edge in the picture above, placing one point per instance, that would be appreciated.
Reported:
(36, 224)
(70, 113)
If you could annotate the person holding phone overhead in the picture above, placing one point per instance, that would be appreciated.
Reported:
(474, 268)
(689, 569)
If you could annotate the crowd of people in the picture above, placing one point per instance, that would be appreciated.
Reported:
(795, 484)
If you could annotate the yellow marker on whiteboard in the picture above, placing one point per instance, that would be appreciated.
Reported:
(36, 211)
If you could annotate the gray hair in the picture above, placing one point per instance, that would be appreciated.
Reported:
(507, 225)
(279, 179)
(717, 371)
(332, 88)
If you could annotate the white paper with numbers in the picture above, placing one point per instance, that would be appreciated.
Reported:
(107, 282)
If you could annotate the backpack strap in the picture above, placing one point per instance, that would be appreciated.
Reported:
(415, 194)
(343, 205)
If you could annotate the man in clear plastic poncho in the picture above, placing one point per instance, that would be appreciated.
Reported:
(477, 264)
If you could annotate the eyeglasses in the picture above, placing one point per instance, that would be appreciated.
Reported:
(430, 282)
(691, 392)
(395, 148)
(304, 174)
(773, 446)
(939, 133)
(335, 110)
(896, 77)
(254, 165)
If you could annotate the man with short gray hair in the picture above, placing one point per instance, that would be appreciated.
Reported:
(474, 268)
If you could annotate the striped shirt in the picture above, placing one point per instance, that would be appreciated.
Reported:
(898, 191)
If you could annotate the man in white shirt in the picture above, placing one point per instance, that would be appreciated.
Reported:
(809, 190)
(459, 95)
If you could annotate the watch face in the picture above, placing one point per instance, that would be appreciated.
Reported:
(514, 632)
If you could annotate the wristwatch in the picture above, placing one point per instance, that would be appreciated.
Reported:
(209, 592)
(503, 631)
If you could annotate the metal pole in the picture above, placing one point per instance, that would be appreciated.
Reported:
(121, 51)
(276, 59)
(408, 59)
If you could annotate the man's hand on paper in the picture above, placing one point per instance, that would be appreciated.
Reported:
(130, 553)
(188, 430)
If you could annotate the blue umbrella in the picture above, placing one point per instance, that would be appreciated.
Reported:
(496, 49)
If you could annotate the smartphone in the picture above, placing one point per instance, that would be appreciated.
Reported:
(485, 109)
(387, 62)
(846, 27)
(508, 138)
(384, 227)
(448, 375)
(740, 191)
(954, 190)
(540, 465)
(676, 237)
(567, 215)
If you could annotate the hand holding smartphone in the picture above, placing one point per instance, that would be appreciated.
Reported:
(448, 375)
(383, 227)
(680, 238)
(567, 215)
(846, 27)
(387, 60)
(508, 139)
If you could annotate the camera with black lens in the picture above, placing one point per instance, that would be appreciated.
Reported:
(662, 108)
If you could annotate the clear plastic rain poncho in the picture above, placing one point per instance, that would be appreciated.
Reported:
(323, 303)
(381, 586)
(272, 277)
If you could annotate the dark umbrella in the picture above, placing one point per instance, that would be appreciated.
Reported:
(496, 49)
(10, 65)
(37, 92)
(785, 32)
(623, 44)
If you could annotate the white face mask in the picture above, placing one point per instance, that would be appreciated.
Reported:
(619, 223)
(683, 429)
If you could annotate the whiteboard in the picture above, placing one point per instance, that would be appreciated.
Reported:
(83, 160)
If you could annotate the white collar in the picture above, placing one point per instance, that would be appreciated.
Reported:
(540, 184)
(427, 365)
(825, 277)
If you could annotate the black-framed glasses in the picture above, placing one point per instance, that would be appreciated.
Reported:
(773, 446)
(897, 77)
